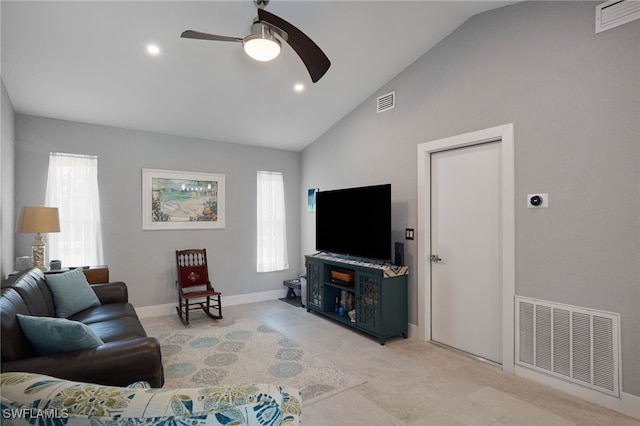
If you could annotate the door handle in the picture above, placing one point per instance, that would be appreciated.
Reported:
(435, 258)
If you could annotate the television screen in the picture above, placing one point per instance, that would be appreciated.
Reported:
(355, 221)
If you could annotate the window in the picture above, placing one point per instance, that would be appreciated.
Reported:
(72, 186)
(272, 235)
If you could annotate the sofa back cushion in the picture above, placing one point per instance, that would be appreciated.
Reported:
(15, 344)
(36, 294)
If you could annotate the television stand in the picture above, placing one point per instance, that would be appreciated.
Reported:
(375, 302)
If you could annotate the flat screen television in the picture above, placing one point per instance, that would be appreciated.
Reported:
(355, 221)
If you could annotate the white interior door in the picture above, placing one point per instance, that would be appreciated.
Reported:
(466, 243)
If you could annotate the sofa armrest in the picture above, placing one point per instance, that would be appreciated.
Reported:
(238, 404)
(115, 292)
(117, 363)
(291, 405)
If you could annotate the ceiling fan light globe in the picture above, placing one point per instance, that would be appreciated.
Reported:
(262, 48)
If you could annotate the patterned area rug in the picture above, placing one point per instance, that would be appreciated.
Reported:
(247, 351)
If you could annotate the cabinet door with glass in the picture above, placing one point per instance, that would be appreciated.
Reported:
(315, 287)
(368, 301)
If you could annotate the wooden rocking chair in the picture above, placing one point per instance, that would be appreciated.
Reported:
(194, 288)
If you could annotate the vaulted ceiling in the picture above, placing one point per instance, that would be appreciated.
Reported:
(86, 61)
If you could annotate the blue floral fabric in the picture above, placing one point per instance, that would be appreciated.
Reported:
(28, 398)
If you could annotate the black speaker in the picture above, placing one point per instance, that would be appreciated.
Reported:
(399, 254)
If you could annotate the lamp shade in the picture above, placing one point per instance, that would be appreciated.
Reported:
(38, 219)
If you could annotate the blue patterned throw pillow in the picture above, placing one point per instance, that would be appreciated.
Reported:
(72, 292)
(50, 335)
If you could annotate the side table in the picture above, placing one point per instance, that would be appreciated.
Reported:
(292, 298)
(95, 274)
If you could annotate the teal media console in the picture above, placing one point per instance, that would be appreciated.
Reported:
(373, 296)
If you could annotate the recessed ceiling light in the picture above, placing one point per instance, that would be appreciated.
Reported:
(298, 87)
(152, 49)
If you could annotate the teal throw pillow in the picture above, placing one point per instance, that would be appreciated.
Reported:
(72, 292)
(50, 335)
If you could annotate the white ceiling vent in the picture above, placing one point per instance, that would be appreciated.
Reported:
(386, 102)
(615, 13)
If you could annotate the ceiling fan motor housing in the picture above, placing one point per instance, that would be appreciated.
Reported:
(261, 44)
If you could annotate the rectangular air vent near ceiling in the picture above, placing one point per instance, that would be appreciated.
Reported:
(386, 102)
(575, 344)
(615, 13)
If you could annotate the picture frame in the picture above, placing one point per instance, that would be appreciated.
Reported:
(311, 199)
(182, 200)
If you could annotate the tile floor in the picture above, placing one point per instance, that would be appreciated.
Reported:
(410, 382)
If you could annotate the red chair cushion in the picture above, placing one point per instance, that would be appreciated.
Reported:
(190, 276)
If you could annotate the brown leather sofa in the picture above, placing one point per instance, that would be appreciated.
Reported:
(126, 356)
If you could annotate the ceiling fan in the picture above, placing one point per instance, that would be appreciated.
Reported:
(262, 44)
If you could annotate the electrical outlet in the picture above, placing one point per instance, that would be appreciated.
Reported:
(537, 201)
(408, 234)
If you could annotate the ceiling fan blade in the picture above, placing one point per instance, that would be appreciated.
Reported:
(205, 36)
(312, 56)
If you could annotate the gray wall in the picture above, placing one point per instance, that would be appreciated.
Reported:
(7, 189)
(574, 99)
(146, 259)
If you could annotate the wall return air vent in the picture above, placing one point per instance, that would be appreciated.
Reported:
(615, 13)
(575, 344)
(386, 102)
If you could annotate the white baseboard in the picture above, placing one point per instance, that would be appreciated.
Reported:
(413, 331)
(238, 299)
(627, 404)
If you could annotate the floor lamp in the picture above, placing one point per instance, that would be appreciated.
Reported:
(38, 220)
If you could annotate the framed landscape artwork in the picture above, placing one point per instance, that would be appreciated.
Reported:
(182, 200)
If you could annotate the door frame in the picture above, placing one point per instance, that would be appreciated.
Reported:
(504, 135)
